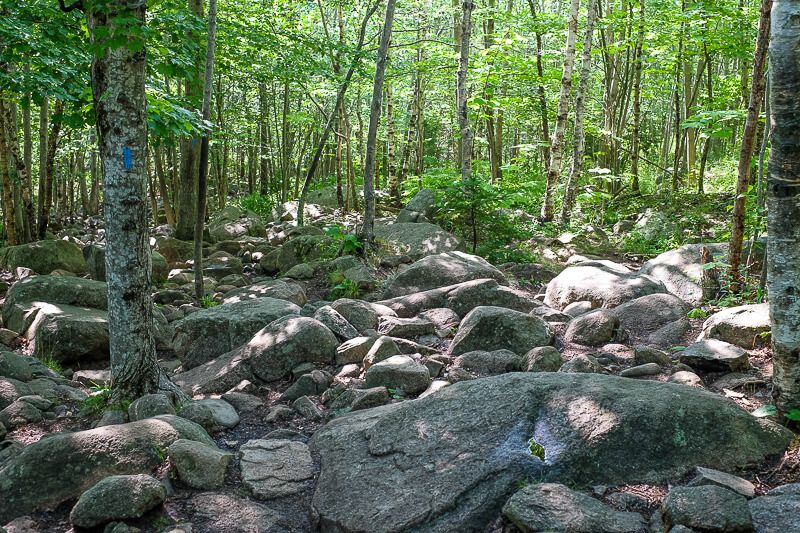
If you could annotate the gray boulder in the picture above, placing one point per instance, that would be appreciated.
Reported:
(213, 414)
(595, 328)
(399, 372)
(416, 239)
(777, 511)
(471, 446)
(495, 362)
(740, 325)
(543, 359)
(708, 508)
(203, 335)
(117, 498)
(497, 328)
(275, 288)
(554, 507)
(680, 270)
(441, 270)
(604, 283)
(43, 257)
(198, 465)
(462, 298)
(233, 223)
(360, 314)
(285, 343)
(643, 316)
(150, 405)
(715, 356)
(272, 468)
(27, 481)
(421, 208)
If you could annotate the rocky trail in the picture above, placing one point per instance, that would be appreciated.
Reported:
(418, 389)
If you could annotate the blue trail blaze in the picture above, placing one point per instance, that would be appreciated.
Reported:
(127, 158)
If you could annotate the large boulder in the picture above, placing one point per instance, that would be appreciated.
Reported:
(742, 325)
(420, 208)
(287, 342)
(603, 283)
(471, 444)
(462, 298)
(174, 250)
(43, 257)
(643, 316)
(203, 335)
(441, 270)
(554, 507)
(680, 270)
(83, 458)
(274, 288)
(416, 239)
(117, 498)
(66, 318)
(234, 222)
(304, 249)
(95, 256)
(497, 328)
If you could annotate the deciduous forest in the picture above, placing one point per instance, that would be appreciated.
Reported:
(416, 265)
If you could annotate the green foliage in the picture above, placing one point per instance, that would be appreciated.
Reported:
(767, 410)
(348, 242)
(51, 362)
(697, 313)
(208, 301)
(342, 287)
(536, 449)
(262, 205)
(98, 400)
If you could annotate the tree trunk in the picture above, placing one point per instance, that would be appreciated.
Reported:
(542, 95)
(372, 133)
(557, 145)
(637, 99)
(186, 195)
(748, 147)
(579, 134)
(465, 155)
(118, 87)
(202, 179)
(9, 214)
(783, 200)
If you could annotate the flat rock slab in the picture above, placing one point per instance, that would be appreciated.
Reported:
(226, 513)
(712, 355)
(554, 507)
(272, 468)
(450, 461)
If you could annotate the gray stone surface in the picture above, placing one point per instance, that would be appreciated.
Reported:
(468, 446)
(708, 508)
(117, 498)
(441, 270)
(496, 328)
(714, 356)
(554, 507)
(199, 465)
(272, 468)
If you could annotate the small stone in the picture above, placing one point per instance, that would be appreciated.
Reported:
(708, 508)
(307, 408)
(713, 355)
(213, 415)
(383, 348)
(544, 359)
(273, 468)
(647, 369)
(198, 465)
(582, 364)
(686, 378)
(117, 498)
(708, 476)
(312, 384)
(354, 350)
(150, 405)
(645, 354)
(399, 372)
(279, 413)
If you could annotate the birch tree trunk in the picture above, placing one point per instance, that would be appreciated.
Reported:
(783, 200)
(748, 147)
(579, 135)
(557, 144)
(461, 91)
(637, 100)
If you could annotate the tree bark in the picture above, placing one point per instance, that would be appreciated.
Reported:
(202, 180)
(542, 94)
(748, 147)
(118, 87)
(783, 199)
(637, 99)
(368, 230)
(579, 135)
(557, 144)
